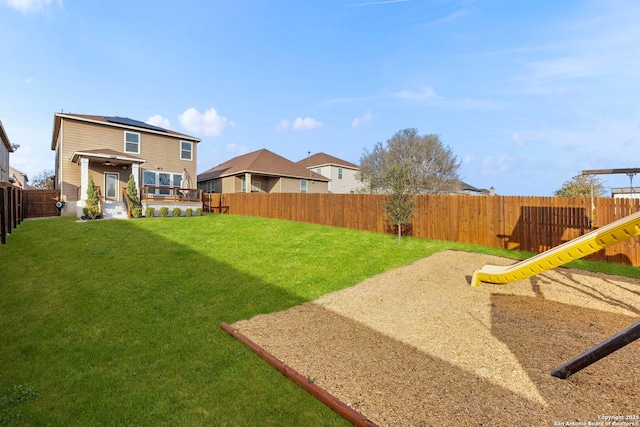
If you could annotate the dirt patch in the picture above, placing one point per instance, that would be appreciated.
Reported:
(418, 346)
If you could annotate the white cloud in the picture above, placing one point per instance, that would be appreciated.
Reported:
(494, 166)
(519, 140)
(28, 6)
(158, 120)
(298, 124)
(429, 96)
(283, 125)
(237, 149)
(305, 124)
(359, 121)
(208, 124)
(423, 94)
(348, 100)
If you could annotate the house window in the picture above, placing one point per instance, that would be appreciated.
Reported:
(149, 178)
(168, 180)
(243, 187)
(303, 185)
(186, 150)
(319, 170)
(132, 142)
(255, 187)
(339, 173)
(208, 186)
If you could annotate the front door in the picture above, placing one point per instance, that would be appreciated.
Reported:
(111, 186)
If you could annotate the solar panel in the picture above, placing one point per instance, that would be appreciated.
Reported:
(136, 123)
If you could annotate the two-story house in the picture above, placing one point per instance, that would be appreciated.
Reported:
(18, 178)
(110, 149)
(344, 176)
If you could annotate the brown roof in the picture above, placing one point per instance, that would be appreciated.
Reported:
(262, 162)
(121, 122)
(322, 159)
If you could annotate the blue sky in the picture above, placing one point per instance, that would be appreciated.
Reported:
(526, 94)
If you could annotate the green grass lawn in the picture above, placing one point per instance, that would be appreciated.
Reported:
(117, 322)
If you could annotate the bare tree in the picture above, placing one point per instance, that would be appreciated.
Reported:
(432, 166)
(44, 180)
(581, 186)
(398, 205)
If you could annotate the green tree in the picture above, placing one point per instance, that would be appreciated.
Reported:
(132, 193)
(92, 204)
(398, 205)
(582, 186)
(432, 167)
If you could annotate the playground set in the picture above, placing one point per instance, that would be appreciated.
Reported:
(599, 238)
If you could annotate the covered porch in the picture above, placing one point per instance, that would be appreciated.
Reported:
(111, 170)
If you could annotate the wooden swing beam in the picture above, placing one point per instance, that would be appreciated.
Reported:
(611, 171)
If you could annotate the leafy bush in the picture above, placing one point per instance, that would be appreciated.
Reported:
(150, 212)
(199, 211)
(132, 194)
(177, 211)
(188, 212)
(136, 212)
(164, 212)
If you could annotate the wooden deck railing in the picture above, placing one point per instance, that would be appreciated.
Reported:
(170, 194)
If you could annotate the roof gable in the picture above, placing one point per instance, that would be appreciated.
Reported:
(262, 162)
(322, 159)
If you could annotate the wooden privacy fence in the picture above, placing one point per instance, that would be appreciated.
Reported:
(11, 209)
(41, 203)
(524, 223)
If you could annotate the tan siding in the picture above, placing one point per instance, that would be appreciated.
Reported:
(289, 185)
(227, 185)
(160, 152)
(319, 187)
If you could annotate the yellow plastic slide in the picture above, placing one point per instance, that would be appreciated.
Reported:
(622, 229)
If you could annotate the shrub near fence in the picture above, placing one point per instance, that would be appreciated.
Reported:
(524, 223)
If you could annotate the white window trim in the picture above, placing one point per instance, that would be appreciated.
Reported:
(125, 142)
(306, 186)
(190, 151)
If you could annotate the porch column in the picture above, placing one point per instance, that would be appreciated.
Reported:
(247, 182)
(84, 177)
(135, 171)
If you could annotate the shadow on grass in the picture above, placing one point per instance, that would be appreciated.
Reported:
(115, 324)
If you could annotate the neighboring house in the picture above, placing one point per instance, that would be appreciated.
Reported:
(261, 171)
(5, 148)
(110, 149)
(18, 178)
(343, 175)
(473, 191)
